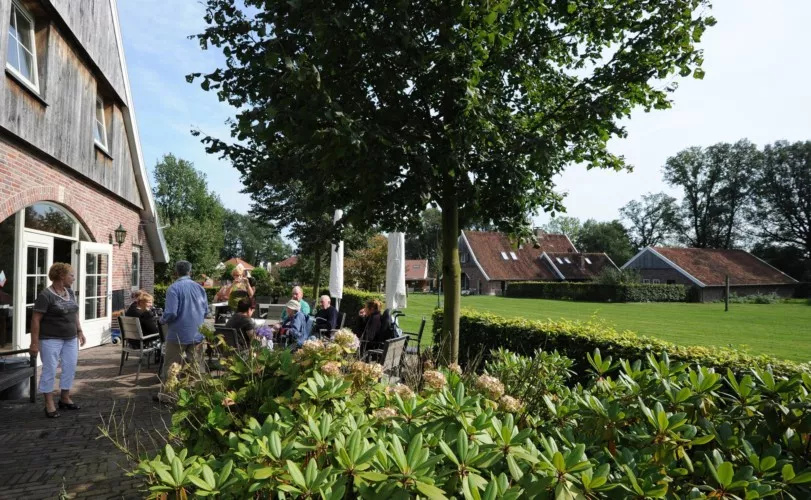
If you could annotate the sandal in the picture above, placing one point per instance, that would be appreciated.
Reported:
(51, 414)
(69, 406)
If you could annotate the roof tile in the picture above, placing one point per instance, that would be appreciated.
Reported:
(711, 266)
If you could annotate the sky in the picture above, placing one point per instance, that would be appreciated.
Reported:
(757, 86)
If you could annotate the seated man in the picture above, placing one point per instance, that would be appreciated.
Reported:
(241, 320)
(296, 324)
(298, 296)
(327, 317)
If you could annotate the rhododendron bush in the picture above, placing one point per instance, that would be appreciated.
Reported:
(319, 423)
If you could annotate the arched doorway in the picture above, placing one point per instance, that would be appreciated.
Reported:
(33, 239)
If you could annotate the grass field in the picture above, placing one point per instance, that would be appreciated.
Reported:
(782, 330)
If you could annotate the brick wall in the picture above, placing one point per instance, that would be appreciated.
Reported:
(26, 179)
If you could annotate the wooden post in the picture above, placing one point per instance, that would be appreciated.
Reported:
(726, 294)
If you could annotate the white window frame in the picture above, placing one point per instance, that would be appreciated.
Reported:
(103, 123)
(504, 256)
(463, 257)
(136, 285)
(19, 9)
(566, 260)
(588, 261)
(656, 282)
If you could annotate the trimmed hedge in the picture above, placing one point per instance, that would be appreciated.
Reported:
(595, 292)
(481, 333)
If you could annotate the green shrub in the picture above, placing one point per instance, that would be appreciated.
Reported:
(481, 333)
(758, 298)
(159, 294)
(352, 302)
(597, 292)
(318, 425)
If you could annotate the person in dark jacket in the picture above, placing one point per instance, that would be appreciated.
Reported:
(327, 316)
(373, 325)
(142, 308)
(242, 321)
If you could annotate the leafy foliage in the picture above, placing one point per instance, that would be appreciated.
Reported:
(598, 292)
(367, 266)
(609, 237)
(252, 241)
(651, 221)
(471, 106)
(482, 333)
(317, 424)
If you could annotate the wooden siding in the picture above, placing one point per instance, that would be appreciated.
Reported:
(91, 22)
(62, 126)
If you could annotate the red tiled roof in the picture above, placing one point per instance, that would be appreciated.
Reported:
(569, 264)
(711, 266)
(237, 261)
(487, 248)
(416, 270)
(288, 262)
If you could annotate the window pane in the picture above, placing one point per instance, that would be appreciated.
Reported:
(90, 309)
(26, 65)
(24, 31)
(50, 219)
(31, 261)
(13, 59)
(30, 289)
(90, 264)
(90, 287)
(102, 260)
(12, 24)
(101, 286)
(98, 134)
(41, 255)
(101, 307)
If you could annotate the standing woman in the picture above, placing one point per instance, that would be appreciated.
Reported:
(56, 333)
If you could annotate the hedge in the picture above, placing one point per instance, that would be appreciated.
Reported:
(160, 294)
(480, 333)
(595, 292)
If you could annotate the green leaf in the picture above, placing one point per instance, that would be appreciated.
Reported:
(803, 477)
(725, 474)
(263, 473)
(788, 472)
(571, 8)
(430, 491)
(295, 473)
(558, 462)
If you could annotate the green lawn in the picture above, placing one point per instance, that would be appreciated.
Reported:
(782, 330)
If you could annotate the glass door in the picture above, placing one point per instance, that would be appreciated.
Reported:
(37, 257)
(95, 286)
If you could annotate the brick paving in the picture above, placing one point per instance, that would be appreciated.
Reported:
(68, 457)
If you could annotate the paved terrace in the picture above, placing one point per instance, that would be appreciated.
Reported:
(67, 457)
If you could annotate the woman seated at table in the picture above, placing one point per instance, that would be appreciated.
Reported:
(372, 321)
(240, 282)
(241, 321)
(296, 325)
(142, 309)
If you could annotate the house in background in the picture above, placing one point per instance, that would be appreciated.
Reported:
(288, 262)
(489, 261)
(236, 261)
(416, 275)
(73, 184)
(706, 270)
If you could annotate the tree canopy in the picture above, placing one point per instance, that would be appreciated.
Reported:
(652, 221)
(474, 106)
(254, 242)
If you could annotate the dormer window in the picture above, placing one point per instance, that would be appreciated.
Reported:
(588, 261)
(558, 259)
(566, 259)
(514, 257)
(100, 129)
(22, 60)
(504, 256)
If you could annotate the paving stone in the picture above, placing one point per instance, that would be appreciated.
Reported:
(41, 458)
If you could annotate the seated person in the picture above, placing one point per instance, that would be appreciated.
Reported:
(240, 282)
(327, 317)
(298, 296)
(373, 325)
(241, 320)
(296, 324)
(142, 309)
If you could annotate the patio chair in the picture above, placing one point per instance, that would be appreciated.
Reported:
(131, 330)
(391, 356)
(416, 339)
(262, 303)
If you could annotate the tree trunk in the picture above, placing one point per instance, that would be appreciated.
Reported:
(451, 272)
(317, 272)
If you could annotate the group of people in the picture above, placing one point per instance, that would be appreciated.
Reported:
(56, 331)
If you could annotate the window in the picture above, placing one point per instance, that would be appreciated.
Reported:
(514, 257)
(671, 282)
(21, 50)
(588, 261)
(50, 219)
(100, 131)
(95, 286)
(566, 259)
(504, 256)
(656, 282)
(558, 259)
(136, 268)
(463, 257)
(645, 281)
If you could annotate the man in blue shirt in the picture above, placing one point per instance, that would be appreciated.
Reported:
(186, 309)
(296, 324)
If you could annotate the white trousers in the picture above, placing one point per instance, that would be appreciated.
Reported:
(50, 352)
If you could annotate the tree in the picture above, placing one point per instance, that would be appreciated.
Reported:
(652, 221)
(783, 195)
(193, 215)
(717, 185)
(790, 259)
(609, 237)
(472, 106)
(252, 240)
(570, 226)
(425, 243)
(367, 266)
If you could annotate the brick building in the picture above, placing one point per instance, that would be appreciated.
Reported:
(73, 185)
(490, 261)
(706, 269)
(416, 275)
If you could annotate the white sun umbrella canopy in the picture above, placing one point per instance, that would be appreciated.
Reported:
(336, 267)
(395, 272)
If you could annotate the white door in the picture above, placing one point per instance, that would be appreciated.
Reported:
(34, 262)
(94, 289)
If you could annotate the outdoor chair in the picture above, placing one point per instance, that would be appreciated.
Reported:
(391, 356)
(262, 302)
(147, 345)
(18, 371)
(415, 338)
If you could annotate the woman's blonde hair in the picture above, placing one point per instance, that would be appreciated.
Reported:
(59, 271)
(237, 271)
(144, 297)
(374, 304)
